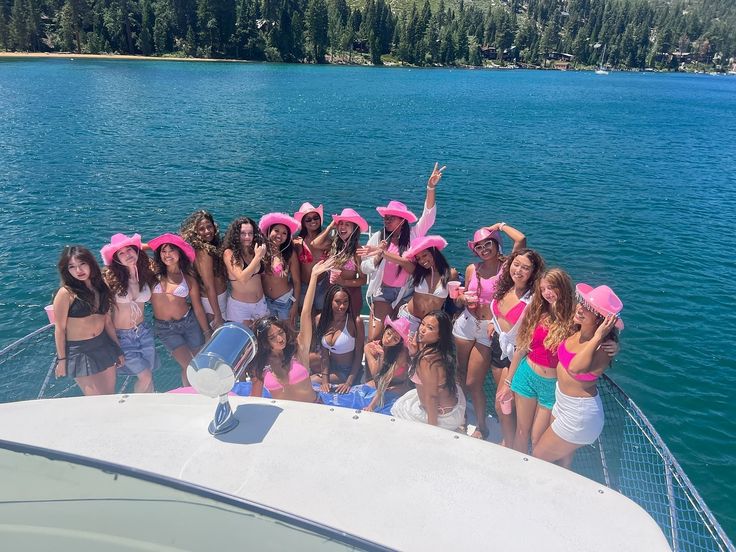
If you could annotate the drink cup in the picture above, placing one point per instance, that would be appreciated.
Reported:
(334, 274)
(453, 288)
(506, 405)
(50, 313)
(471, 298)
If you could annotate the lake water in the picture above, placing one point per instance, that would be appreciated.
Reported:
(626, 180)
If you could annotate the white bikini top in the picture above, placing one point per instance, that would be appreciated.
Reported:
(343, 344)
(182, 290)
(439, 291)
(143, 295)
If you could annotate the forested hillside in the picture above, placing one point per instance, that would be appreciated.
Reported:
(634, 33)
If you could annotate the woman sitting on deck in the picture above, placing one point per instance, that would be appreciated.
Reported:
(282, 278)
(340, 335)
(86, 345)
(438, 399)
(130, 278)
(282, 360)
(577, 416)
(387, 361)
(179, 319)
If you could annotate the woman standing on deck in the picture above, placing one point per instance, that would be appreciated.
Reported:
(130, 278)
(311, 246)
(282, 360)
(388, 285)
(202, 233)
(533, 371)
(577, 416)
(179, 319)
(243, 253)
(282, 279)
(472, 337)
(438, 399)
(86, 345)
(341, 337)
(346, 272)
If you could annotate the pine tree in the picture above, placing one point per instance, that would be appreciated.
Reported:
(316, 29)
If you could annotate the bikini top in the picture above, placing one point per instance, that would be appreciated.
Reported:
(144, 295)
(487, 286)
(538, 353)
(82, 309)
(350, 265)
(439, 291)
(513, 314)
(566, 357)
(297, 373)
(182, 290)
(345, 343)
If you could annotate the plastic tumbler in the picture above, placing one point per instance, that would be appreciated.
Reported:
(50, 313)
(506, 405)
(453, 287)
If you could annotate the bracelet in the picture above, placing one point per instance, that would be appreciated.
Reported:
(60, 358)
(431, 187)
(500, 226)
(507, 382)
(357, 275)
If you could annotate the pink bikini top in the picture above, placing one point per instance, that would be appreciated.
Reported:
(297, 373)
(487, 286)
(512, 315)
(538, 354)
(566, 357)
(350, 265)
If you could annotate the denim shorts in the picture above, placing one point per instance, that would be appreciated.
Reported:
(319, 294)
(179, 333)
(389, 294)
(139, 350)
(280, 307)
(531, 385)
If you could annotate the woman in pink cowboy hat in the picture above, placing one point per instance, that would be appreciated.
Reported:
(202, 232)
(430, 273)
(244, 250)
(311, 246)
(471, 326)
(346, 272)
(179, 319)
(388, 361)
(577, 416)
(81, 308)
(282, 283)
(388, 283)
(129, 276)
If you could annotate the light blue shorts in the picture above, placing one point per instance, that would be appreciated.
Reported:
(280, 307)
(389, 294)
(139, 350)
(531, 385)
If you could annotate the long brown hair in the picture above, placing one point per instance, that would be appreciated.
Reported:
(117, 276)
(505, 282)
(97, 298)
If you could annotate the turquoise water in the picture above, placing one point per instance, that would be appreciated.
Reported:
(626, 180)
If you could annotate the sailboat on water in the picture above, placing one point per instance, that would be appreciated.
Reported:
(601, 66)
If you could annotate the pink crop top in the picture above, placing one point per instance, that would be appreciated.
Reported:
(297, 373)
(487, 287)
(390, 276)
(566, 357)
(538, 354)
(512, 315)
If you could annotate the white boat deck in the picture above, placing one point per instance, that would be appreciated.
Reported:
(404, 485)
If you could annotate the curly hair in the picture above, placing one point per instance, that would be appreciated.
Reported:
(558, 318)
(77, 287)
(443, 350)
(188, 231)
(231, 241)
(261, 327)
(343, 250)
(440, 265)
(505, 282)
(117, 276)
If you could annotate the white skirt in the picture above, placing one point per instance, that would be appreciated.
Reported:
(408, 407)
(578, 420)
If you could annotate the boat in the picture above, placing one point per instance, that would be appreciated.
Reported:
(390, 482)
(601, 66)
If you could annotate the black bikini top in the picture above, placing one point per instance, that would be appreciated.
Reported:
(81, 309)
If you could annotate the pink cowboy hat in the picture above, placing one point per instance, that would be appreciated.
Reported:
(401, 325)
(425, 242)
(267, 221)
(173, 239)
(117, 242)
(397, 209)
(309, 208)
(351, 215)
(483, 234)
(601, 300)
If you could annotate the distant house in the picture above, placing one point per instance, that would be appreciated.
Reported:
(562, 65)
(560, 56)
(488, 52)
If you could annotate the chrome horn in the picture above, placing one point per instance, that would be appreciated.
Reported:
(217, 367)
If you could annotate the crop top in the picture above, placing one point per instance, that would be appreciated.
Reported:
(393, 274)
(439, 291)
(297, 373)
(566, 358)
(82, 309)
(182, 290)
(487, 286)
(512, 315)
(345, 342)
(538, 354)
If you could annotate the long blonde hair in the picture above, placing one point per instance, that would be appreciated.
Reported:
(558, 318)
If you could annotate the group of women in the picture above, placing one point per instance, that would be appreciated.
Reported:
(298, 284)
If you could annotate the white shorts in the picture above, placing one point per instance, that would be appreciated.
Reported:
(578, 420)
(409, 407)
(221, 301)
(239, 311)
(413, 320)
(468, 327)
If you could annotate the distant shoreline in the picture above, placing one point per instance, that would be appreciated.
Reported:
(60, 55)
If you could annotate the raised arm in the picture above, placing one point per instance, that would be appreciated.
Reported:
(296, 281)
(321, 241)
(304, 339)
(592, 357)
(429, 212)
(514, 235)
(403, 262)
(244, 274)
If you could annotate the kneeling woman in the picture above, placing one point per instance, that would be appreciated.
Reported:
(282, 360)
(86, 345)
(388, 363)
(180, 322)
(577, 416)
(437, 399)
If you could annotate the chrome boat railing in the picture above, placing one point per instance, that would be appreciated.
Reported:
(630, 456)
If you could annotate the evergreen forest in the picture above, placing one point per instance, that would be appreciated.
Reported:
(633, 34)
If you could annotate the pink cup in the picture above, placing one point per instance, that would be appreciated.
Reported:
(506, 405)
(453, 289)
(50, 313)
(335, 274)
(471, 297)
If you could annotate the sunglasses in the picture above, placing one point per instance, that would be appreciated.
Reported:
(483, 246)
(311, 219)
